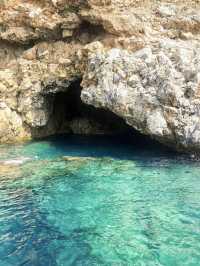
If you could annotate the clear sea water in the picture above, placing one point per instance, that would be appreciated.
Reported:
(122, 204)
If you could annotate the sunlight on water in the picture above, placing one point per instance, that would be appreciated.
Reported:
(105, 203)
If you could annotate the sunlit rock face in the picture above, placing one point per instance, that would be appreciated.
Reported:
(155, 89)
(137, 59)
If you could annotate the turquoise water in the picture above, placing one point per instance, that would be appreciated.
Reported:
(119, 204)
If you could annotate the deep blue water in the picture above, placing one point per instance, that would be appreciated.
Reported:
(113, 202)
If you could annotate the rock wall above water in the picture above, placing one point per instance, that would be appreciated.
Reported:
(137, 59)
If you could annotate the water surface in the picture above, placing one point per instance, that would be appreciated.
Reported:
(119, 204)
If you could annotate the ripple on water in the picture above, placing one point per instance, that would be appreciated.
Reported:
(121, 207)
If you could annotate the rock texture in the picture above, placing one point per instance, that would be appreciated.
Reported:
(156, 89)
(138, 59)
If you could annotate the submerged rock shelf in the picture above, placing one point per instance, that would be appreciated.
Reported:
(85, 201)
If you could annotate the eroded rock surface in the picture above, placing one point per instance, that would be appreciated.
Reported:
(137, 59)
(155, 89)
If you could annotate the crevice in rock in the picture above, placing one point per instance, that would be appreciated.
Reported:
(83, 34)
(88, 32)
(48, 36)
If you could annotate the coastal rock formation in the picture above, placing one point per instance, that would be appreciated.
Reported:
(137, 59)
(155, 90)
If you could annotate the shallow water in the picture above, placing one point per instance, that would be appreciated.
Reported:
(127, 205)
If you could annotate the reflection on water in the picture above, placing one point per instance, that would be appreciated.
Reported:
(127, 205)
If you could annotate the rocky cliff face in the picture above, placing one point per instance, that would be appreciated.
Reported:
(138, 59)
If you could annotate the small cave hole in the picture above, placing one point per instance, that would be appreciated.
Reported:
(88, 32)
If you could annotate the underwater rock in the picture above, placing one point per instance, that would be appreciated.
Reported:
(17, 161)
(76, 158)
(9, 171)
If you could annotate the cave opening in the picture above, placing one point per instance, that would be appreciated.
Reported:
(73, 116)
(70, 116)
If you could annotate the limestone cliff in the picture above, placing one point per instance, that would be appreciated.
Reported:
(139, 59)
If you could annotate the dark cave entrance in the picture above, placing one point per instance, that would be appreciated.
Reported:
(71, 115)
